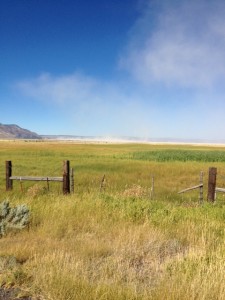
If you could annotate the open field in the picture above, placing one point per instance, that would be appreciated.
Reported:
(118, 243)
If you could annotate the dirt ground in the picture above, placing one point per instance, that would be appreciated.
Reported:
(12, 294)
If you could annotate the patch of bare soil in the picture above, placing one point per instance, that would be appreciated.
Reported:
(12, 294)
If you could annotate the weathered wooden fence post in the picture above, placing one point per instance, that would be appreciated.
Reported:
(8, 172)
(212, 184)
(152, 188)
(72, 180)
(102, 185)
(66, 177)
(201, 187)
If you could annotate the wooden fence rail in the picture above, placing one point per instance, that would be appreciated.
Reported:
(199, 186)
(29, 178)
(65, 179)
(221, 190)
(191, 188)
(212, 189)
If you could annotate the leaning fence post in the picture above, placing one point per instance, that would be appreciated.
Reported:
(8, 172)
(212, 184)
(102, 185)
(66, 177)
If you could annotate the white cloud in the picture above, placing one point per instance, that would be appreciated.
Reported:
(177, 44)
(60, 90)
(93, 105)
(89, 106)
(183, 45)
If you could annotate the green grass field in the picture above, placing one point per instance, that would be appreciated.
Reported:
(121, 242)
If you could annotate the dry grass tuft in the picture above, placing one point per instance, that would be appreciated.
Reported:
(36, 190)
(136, 191)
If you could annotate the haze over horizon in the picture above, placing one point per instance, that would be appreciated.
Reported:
(139, 68)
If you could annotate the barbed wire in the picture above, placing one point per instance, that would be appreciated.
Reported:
(18, 169)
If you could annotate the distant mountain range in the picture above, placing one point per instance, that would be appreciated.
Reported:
(13, 131)
(128, 139)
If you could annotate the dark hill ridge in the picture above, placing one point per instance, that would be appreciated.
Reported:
(13, 131)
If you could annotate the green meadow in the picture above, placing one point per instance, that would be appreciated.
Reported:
(120, 241)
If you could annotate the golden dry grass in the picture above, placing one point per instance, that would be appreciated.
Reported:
(117, 244)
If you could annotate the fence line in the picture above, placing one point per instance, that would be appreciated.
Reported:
(30, 178)
(199, 186)
(66, 179)
(212, 188)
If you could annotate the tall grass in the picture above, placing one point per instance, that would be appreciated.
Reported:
(178, 155)
(117, 244)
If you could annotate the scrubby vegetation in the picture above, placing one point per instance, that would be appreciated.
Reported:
(13, 218)
(118, 243)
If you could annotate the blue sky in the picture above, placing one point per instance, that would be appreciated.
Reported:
(144, 68)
